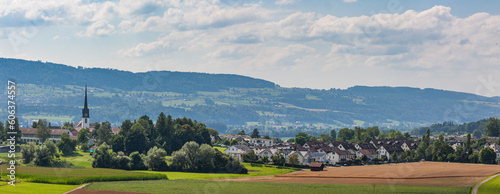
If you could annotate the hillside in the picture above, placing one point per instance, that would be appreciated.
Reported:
(55, 92)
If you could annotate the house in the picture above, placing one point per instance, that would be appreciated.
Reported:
(388, 150)
(370, 153)
(237, 151)
(346, 146)
(29, 134)
(316, 166)
(362, 146)
(317, 157)
(495, 148)
(261, 153)
(261, 142)
(303, 159)
(339, 155)
(314, 145)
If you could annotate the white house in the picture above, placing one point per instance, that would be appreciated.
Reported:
(261, 142)
(237, 151)
(303, 159)
(29, 134)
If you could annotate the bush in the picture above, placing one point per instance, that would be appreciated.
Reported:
(137, 162)
(43, 157)
(28, 152)
(102, 157)
(121, 161)
(155, 160)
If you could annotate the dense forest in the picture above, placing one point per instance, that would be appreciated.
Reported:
(230, 103)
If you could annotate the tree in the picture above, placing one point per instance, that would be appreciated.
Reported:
(43, 132)
(233, 142)
(66, 145)
(155, 160)
(333, 134)
(266, 137)
(43, 157)
(278, 159)
(164, 129)
(364, 158)
(255, 133)
(120, 161)
(242, 132)
(52, 147)
(3, 133)
(102, 157)
(28, 152)
(325, 138)
(492, 129)
(205, 158)
(83, 136)
(394, 157)
(345, 134)
(137, 162)
(373, 131)
(293, 159)
(301, 140)
(474, 158)
(487, 156)
(136, 139)
(118, 143)
(104, 132)
(250, 157)
(477, 134)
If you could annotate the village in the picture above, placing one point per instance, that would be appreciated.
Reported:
(337, 152)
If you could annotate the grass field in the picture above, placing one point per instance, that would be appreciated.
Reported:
(221, 149)
(200, 186)
(76, 176)
(80, 159)
(253, 170)
(39, 188)
(492, 186)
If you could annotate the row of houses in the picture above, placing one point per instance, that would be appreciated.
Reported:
(334, 152)
(30, 134)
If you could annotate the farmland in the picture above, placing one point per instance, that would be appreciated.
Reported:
(73, 176)
(408, 174)
(200, 186)
(39, 188)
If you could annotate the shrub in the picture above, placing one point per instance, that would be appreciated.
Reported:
(137, 162)
(28, 152)
(102, 157)
(155, 160)
(43, 157)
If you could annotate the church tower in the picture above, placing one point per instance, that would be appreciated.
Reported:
(85, 112)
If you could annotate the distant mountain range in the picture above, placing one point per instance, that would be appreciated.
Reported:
(55, 92)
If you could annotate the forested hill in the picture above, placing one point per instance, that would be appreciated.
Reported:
(55, 92)
(40, 73)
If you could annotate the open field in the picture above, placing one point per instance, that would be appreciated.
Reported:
(408, 174)
(492, 186)
(200, 186)
(39, 188)
(253, 170)
(74, 176)
(80, 159)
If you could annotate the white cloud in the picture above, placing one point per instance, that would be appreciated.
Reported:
(99, 28)
(284, 2)
(350, 1)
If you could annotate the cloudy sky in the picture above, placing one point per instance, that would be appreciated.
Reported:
(452, 45)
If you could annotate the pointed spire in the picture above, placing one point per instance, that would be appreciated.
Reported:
(85, 105)
(85, 110)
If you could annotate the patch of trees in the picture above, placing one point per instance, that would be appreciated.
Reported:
(195, 158)
(451, 128)
(46, 155)
(154, 160)
(168, 134)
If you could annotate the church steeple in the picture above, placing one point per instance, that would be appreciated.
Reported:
(85, 112)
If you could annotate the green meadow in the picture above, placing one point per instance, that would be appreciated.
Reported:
(492, 186)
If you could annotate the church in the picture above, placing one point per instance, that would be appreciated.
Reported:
(85, 122)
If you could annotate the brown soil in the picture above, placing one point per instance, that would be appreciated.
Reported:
(411, 174)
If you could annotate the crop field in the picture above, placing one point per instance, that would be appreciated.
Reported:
(39, 188)
(200, 186)
(75, 176)
(492, 186)
(407, 174)
(80, 159)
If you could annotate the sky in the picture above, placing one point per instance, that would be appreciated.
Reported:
(447, 44)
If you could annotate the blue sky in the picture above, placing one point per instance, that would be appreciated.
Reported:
(451, 45)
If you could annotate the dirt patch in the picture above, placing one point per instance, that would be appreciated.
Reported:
(410, 174)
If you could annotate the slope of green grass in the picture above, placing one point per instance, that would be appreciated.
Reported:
(253, 170)
(76, 176)
(221, 149)
(492, 186)
(39, 188)
(80, 159)
(200, 186)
